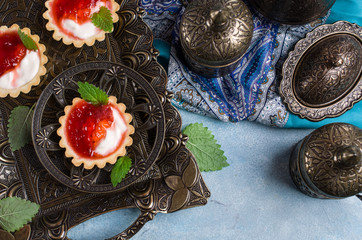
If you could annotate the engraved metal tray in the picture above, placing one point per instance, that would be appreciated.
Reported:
(172, 183)
(322, 76)
(128, 87)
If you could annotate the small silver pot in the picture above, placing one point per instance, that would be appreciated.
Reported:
(328, 162)
(295, 12)
(215, 35)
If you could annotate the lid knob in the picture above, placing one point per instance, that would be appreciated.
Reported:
(348, 157)
(219, 19)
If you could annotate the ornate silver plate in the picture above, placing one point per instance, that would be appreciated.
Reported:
(322, 75)
(131, 89)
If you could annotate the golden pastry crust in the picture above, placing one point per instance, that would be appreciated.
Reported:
(41, 71)
(59, 35)
(88, 162)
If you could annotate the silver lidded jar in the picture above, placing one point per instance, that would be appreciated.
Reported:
(214, 35)
(294, 12)
(328, 162)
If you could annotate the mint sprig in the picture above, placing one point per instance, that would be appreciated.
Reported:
(92, 94)
(202, 144)
(27, 41)
(16, 212)
(120, 170)
(103, 19)
(19, 127)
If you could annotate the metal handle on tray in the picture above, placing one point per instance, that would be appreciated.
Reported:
(142, 219)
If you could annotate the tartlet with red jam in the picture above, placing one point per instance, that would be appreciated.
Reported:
(21, 66)
(95, 135)
(72, 20)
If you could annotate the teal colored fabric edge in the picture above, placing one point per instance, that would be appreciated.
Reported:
(353, 116)
(348, 10)
(164, 49)
(351, 11)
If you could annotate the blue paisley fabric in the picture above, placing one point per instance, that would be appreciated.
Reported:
(233, 97)
(158, 7)
(161, 17)
(250, 91)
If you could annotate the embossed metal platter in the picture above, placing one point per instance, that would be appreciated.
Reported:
(172, 183)
(322, 75)
(128, 87)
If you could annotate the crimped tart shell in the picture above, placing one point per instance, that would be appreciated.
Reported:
(41, 71)
(59, 35)
(88, 162)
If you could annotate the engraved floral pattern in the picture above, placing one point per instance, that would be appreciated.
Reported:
(115, 72)
(323, 170)
(346, 99)
(60, 84)
(200, 37)
(7, 174)
(329, 70)
(182, 186)
(81, 181)
(42, 138)
(155, 114)
(138, 169)
(293, 11)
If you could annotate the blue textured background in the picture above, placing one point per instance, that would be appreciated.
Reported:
(254, 198)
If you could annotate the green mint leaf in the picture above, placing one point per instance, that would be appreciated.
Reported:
(16, 212)
(103, 19)
(27, 41)
(19, 127)
(120, 170)
(92, 94)
(201, 143)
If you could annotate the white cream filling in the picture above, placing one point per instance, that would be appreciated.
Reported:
(85, 30)
(82, 31)
(23, 73)
(113, 135)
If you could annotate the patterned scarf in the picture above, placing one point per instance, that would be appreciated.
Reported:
(251, 90)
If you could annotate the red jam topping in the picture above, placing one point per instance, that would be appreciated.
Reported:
(12, 51)
(80, 11)
(86, 126)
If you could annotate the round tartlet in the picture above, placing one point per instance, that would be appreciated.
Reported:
(55, 23)
(20, 68)
(82, 132)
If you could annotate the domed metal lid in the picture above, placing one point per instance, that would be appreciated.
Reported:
(291, 11)
(332, 159)
(322, 76)
(216, 33)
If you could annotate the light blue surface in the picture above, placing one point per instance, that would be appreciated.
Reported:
(254, 198)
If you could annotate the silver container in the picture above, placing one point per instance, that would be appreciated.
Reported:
(214, 35)
(328, 162)
(295, 12)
